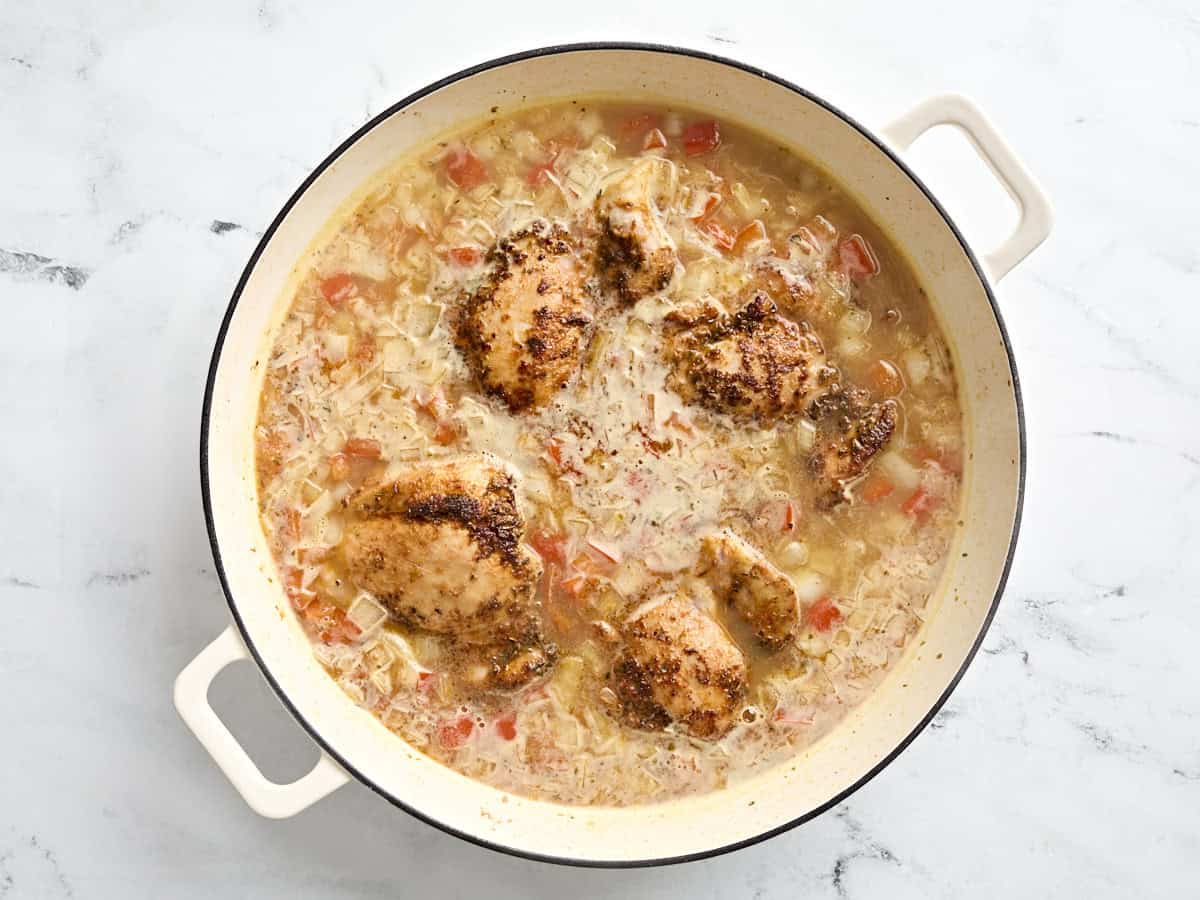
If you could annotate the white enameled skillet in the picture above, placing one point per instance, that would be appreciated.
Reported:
(959, 282)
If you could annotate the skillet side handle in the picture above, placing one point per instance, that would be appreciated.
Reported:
(1035, 217)
(265, 797)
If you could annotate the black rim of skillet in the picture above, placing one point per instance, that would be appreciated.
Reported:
(266, 238)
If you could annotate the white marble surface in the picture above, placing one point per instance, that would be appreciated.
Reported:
(1068, 761)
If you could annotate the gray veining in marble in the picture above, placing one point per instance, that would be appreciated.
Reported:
(146, 146)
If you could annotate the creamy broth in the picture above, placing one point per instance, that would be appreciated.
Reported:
(626, 475)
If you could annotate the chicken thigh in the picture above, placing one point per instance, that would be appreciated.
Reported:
(678, 665)
(636, 253)
(751, 586)
(523, 331)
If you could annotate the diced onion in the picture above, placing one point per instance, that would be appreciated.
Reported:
(793, 555)
(806, 435)
(903, 473)
(916, 366)
(809, 585)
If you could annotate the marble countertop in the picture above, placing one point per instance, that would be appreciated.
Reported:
(146, 149)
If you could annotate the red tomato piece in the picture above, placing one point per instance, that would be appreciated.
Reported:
(550, 546)
(432, 403)
(363, 448)
(876, 488)
(637, 125)
(464, 256)
(554, 451)
(445, 433)
(608, 552)
(919, 505)
(886, 378)
(453, 734)
(856, 258)
(464, 168)
(701, 137)
(949, 461)
(823, 614)
(722, 238)
(427, 682)
(654, 140)
(753, 233)
(337, 289)
(711, 202)
(506, 726)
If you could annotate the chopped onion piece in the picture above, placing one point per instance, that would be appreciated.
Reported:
(916, 366)
(806, 435)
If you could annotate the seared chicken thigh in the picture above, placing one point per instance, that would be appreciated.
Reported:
(636, 253)
(679, 665)
(851, 431)
(441, 549)
(743, 578)
(524, 329)
(752, 364)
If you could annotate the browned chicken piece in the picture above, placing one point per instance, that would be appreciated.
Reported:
(636, 253)
(743, 578)
(851, 430)
(678, 665)
(754, 364)
(524, 329)
(440, 547)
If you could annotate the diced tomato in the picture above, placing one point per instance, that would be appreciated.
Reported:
(654, 140)
(919, 505)
(433, 403)
(876, 488)
(537, 174)
(701, 137)
(446, 433)
(506, 726)
(791, 717)
(823, 614)
(711, 202)
(753, 233)
(464, 256)
(293, 583)
(719, 235)
(790, 515)
(637, 125)
(291, 523)
(427, 682)
(554, 451)
(856, 258)
(605, 549)
(337, 289)
(550, 546)
(574, 585)
(464, 168)
(886, 378)
(454, 733)
(363, 448)
(339, 467)
(949, 461)
(364, 348)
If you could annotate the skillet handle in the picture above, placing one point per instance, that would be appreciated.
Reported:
(1035, 215)
(265, 797)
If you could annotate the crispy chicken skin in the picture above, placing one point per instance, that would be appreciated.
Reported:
(678, 665)
(754, 364)
(851, 432)
(636, 254)
(441, 548)
(525, 327)
(741, 577)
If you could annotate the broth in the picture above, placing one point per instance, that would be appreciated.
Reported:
(794, 514)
